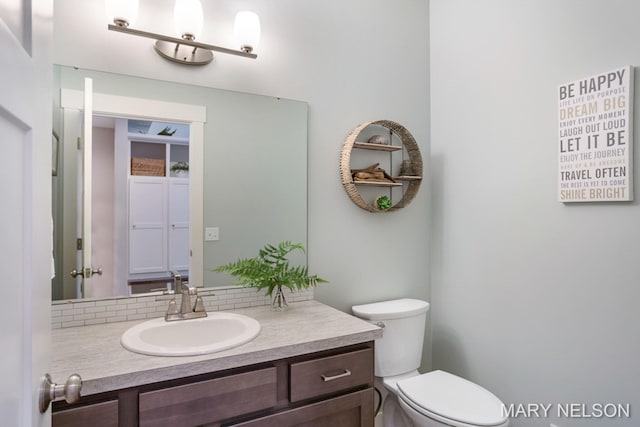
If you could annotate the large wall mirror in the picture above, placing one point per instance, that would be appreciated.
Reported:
(252, 186)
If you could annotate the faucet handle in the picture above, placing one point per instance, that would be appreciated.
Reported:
(198, 306)
(173, 307)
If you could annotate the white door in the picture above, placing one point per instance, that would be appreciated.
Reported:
(26, 244)
(82, 269)
(87, 187)
(147, 225)
(178, 224)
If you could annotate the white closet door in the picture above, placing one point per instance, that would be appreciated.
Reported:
(147, 225)
(179, 224)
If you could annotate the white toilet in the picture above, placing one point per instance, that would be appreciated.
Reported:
(434, 399)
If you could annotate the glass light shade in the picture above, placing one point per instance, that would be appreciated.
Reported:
(246, 30)
(187, 15)
(122, 12)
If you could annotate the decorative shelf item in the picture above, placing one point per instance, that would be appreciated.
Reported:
(383, 203)
(379, 139)
(147, 167)
(372, 175)
(409, 173)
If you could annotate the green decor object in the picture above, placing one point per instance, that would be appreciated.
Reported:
(180, 166)
(167, 131)
(270, 271)
(383, 203)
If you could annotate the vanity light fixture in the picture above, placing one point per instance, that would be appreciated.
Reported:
(189, 22)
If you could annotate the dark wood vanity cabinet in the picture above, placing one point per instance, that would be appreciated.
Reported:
(330, 388)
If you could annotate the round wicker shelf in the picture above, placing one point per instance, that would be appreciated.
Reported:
(411, 184)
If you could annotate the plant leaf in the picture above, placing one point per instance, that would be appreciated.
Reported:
(271, 269)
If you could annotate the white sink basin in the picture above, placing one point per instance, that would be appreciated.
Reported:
(218, 331)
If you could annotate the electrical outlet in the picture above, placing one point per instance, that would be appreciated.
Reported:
(211, 234)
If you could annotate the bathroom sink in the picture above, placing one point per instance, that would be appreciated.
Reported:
(218, 331)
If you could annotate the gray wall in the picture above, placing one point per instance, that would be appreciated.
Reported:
(352, 61)
(535, 299)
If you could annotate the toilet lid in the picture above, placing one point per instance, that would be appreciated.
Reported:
(454, 398)
(394, 309)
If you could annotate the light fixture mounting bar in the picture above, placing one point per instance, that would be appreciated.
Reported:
(177, 41)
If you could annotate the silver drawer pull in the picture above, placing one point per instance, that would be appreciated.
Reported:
(346, 373)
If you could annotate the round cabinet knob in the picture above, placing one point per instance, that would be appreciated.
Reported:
(50, 391)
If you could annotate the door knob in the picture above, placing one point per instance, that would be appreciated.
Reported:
(86, 272)
(50, 391)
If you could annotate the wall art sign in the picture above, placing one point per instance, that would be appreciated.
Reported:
(595, 118)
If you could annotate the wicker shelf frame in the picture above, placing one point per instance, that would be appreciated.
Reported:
(409, 143)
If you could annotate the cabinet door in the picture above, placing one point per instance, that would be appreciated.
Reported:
(351, 410)
(209, 401)
(147, 225)
(98, 415)
(178, 224)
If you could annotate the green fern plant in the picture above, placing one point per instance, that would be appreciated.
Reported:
(270, 270)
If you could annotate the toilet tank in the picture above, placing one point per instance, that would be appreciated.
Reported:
(399, 350)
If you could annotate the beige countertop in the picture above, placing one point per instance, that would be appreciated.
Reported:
(95, 353)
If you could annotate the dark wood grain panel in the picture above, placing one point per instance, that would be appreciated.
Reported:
(209, 401)
(350, 410)
(103, 414)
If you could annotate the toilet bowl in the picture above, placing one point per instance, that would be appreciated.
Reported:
(433, 399)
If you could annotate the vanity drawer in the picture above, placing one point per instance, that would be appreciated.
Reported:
(209, 401)
(348, 410)
(330, 374)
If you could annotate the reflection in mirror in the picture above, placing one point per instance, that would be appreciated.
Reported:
(146, 215)
(254, 179)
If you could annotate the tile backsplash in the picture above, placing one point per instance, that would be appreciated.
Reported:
(66, 314)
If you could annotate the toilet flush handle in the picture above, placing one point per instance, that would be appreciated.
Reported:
(380, 325)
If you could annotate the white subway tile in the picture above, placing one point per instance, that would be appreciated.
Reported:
(107, 302)
(73, 323)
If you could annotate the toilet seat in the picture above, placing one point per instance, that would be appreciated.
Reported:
(452, 400)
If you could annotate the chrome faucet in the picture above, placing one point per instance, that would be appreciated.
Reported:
(186, 310)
